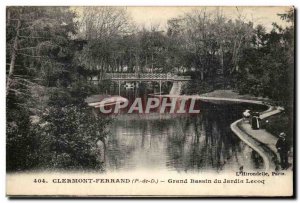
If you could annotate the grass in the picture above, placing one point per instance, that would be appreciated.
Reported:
(231, 94)
(278, 123)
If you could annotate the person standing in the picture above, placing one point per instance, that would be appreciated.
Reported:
(283, 149)
(255, 121)
(246, 115)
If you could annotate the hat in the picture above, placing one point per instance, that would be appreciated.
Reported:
(282, 134)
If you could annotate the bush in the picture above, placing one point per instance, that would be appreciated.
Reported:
(20, 141)
(197, 87)
(63, 138)
(69, 137)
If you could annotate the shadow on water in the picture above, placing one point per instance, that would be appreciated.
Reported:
(183, 143)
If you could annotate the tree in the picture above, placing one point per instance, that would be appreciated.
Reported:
(40, 71)
(104, 22)
(267, 66)
(210, 44)
(103, 28)
(37, 41)
(69, 138)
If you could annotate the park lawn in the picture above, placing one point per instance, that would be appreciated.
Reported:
(232, 94)
(278, 123)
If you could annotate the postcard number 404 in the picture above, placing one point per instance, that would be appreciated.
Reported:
(39, 180)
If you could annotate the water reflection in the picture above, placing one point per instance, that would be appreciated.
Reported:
(183, 143)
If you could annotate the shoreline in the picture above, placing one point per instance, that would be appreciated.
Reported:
(264, 147)
(255, 143)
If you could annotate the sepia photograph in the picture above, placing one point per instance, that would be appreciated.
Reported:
(150, 101)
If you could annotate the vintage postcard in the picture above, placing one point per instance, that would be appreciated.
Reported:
(150, 101)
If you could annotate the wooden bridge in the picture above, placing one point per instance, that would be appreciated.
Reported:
(145, 77)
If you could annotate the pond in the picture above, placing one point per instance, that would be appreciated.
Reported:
(181, 142)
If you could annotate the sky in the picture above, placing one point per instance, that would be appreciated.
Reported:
(147, 16)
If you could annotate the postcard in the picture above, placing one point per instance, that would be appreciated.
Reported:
(165, 102)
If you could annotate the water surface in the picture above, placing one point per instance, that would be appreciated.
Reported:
(183, 143)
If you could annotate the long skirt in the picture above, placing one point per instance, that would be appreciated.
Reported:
(255, 123)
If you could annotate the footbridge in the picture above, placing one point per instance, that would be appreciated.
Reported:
(177, 80)
(145, 77)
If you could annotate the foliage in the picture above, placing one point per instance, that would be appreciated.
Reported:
(45, 93)
(69, 137)
(43, 48)
(279, 123)
(63, 138)
(267, 67)
(20, 141)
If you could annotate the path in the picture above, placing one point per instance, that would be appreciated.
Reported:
(260, 140)
(176, 88)
(265, 142)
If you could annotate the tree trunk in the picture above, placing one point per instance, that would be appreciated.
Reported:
(13, 58)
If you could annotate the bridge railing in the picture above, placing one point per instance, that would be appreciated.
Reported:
(154, 76)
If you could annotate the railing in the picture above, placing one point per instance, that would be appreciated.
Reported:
(145, 76)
